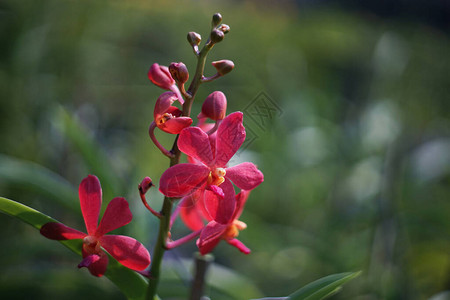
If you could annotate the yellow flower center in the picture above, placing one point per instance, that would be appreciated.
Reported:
(161, 120)
(216, 177)
(233, 229)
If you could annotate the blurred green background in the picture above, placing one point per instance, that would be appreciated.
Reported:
(356, 155)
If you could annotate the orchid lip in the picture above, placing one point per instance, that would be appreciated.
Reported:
(161, 120)
(217, 176)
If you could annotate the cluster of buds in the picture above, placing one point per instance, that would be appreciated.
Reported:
(206, 184)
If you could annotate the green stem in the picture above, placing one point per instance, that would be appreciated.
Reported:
(166, 211)
(201, 267)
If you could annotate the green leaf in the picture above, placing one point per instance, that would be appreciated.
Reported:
(323, 287)
(91, 152)
(29, 175)
(220, 280)
(133, 285)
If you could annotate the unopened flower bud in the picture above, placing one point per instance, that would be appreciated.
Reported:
(223, 66)
(194, 38)
(160, 76)
(224, 28)
(216, 36)
(179, 72)
(216, 19)
(215, 106)
(145, 185)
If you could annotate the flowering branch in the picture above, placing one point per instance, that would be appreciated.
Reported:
(164, 225)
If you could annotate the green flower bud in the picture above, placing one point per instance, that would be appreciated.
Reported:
(194, 38)
(216, 19)
(216, 36)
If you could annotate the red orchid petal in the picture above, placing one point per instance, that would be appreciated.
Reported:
(160, 76)
(221, 210)
(128, 251)
(230, 136)
(58, 231)
(210, 237)
(241, 198)
(194, 142)
(175, 125)
(90, 193)
(216, 190)
(88, 260)
(175, 89)
(174, 111)
(117, 214)
(190, 214)
(245, 176)
(163, 103)
(182, 179)
(96, 267)
(238, 244)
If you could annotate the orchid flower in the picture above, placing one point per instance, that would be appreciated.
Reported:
(167, 117)
(128, 251)
(211, 176)
(193, 215)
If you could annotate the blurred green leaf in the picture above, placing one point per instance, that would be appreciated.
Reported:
(129, 282)
(224, 283)
(29, 175)
(323, 287)
(319, 289)
(90, 152)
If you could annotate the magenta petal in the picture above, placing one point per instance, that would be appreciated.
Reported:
(96, 267)
(221, 209)
(58, 231)
(175, 125)
(245, 176)
(216, 190)
(194, 142)
(160, 76)
(128, 251)
(241, 198)
(175, 89)
(182, 179)
(190, 214)
(163, 103)
(117, 214)
(88, 260)
(230, 136)
(90, 193)
(210, 237)
(238, 244)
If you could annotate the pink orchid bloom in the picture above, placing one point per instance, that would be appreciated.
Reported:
(128, 251)
(167, 117)
(160, 76)
(211, 176)
(193, 214)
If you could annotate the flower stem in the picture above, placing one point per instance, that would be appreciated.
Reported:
(151, 133)
(201, 267)
(164, 224)
(185, 239)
